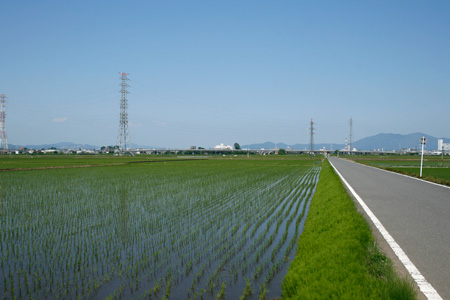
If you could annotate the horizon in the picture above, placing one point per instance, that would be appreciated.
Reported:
(205, 73)
(243, 145)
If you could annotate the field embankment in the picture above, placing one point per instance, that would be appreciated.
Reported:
(336, 255)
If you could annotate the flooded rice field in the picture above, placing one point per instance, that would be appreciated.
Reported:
(177, 230)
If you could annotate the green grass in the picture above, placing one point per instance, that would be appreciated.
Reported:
(443, 173)
(45, 161)
(437, 175)
(401, 160)
(336, 255)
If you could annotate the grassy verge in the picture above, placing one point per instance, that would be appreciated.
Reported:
(435, 169)
(336, 256)
(437, 175)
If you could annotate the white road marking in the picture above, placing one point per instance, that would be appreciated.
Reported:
(426, 288)
(392, 172)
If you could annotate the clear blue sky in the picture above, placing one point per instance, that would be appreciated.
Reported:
(208, 72)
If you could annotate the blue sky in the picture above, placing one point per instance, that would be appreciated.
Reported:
(208, 72)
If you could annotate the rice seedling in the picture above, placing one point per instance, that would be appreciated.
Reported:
(132, 231)
(221, 294)
(247, 291)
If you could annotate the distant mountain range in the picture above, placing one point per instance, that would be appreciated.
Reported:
(270, 145)
(62, 146)
(390, 141)
(382, 141)
(68, 145)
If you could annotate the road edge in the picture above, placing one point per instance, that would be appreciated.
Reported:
(424, 286)
(404, 175)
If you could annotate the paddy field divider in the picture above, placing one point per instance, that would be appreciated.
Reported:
(337, 256)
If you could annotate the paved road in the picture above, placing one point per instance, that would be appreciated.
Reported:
(415, 213)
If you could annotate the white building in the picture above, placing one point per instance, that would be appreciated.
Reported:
(223, 147)
(443, 146)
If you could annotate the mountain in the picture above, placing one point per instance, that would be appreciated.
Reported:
(390, 141)
(382, 141)
(385, 141)
(139, 146)
(270, 145)
(68, 145)
(62, 145)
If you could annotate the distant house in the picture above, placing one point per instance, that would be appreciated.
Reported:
(223, 147)
(53, 151)
(443, 146)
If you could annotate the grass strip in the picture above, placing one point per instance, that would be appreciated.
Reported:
(336, 256)
(437, 171)
(436, 175)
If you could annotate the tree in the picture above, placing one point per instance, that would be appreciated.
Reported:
(281, 152)
(237, 146)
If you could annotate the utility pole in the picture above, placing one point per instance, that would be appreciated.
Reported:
(350, 138)
(423, 141)
(123, 124)
(4, 140)
(311, 136)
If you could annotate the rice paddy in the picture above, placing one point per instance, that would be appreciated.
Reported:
(211, 229)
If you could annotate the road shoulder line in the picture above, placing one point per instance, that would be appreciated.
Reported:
(425, 287)
(404, 175)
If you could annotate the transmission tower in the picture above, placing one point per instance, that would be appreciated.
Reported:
(4, 140)
(311, 136)
(350, 138)
(123, 127)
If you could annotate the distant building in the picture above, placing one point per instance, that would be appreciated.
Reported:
(50, 151)
(223, 147)
(443, 146)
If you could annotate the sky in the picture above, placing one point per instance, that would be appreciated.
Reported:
(209, 72)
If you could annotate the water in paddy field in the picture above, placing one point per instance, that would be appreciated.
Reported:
(152, 237)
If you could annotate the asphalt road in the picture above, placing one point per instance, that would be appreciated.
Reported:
(415, 213)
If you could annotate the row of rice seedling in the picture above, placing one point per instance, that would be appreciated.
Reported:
(202, 229)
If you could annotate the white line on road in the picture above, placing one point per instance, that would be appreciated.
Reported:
(392, 172)
(426, 288)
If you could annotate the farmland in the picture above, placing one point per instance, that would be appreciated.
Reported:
(15, 162)
(163, 229)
